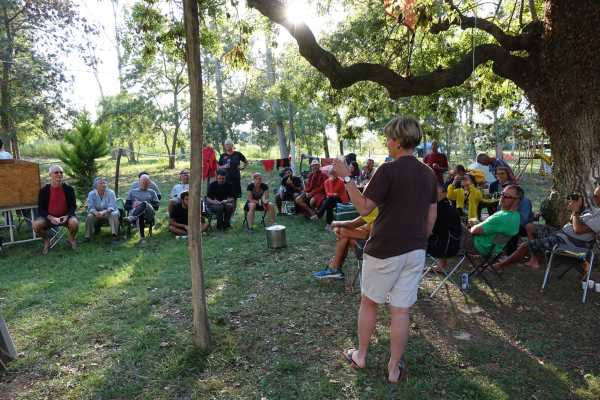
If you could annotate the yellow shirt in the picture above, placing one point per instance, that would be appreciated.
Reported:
(458, 195)
(372, 216)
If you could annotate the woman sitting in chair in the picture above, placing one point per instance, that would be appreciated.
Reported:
(348, 234)
(258, 200)
(464, 192)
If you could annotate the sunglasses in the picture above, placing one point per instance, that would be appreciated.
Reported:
(507, 196)
(58, 172)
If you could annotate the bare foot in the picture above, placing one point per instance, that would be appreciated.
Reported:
(397, 373)
(352, 359)
(73, 244)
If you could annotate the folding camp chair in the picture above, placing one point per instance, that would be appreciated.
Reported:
(462, 257)
(358, 252)
(488, 260)
(260, 207)
(580, 254)
(56, 233)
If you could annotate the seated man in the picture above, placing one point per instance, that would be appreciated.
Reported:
(444, 241)
(580, 231)
(459, 171)
(102, 206)
(504, 222)
(258, 200)
(527, 217)
(152, 185)
(291, 189)
(482, 163)
(220, 199)
(143, 202)
(178, 217)
(178, 188)
(367, 171)
(314, 191)
(335, 193)
(56, 206)
(347, 234)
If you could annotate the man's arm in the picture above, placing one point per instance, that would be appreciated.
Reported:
(578, 226)
(431, 218)
(90, 203)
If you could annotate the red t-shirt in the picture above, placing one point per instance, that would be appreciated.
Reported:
(335, 187)
(57, 205)
(439, 159)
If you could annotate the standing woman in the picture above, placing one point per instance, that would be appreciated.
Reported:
(230, 161)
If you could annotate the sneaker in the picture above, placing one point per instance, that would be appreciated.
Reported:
(329, 273)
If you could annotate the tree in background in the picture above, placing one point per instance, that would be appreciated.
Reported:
(85, 144)
(33, 35)
(554, 60)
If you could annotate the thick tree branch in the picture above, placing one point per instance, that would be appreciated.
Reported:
(506, 65)
(528, 40)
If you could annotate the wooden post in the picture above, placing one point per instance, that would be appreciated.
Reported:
(201, 329)
(117, 171)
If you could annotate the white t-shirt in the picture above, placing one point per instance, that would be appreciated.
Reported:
(178, 189)
(591, 218)
(5, 155)
(489, 177)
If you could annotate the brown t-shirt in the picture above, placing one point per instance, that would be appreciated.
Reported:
(403, 190)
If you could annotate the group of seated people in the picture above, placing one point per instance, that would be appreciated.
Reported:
(460, 201)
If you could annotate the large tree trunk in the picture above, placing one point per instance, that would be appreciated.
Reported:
(567, 97)
(201, 331)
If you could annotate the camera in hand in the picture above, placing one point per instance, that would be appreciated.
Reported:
(573, 196)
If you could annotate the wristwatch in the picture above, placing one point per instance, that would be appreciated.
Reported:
(347, 179)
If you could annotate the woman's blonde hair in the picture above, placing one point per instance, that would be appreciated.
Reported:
(406, 131)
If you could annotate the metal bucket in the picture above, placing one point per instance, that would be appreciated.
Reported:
(276, 236)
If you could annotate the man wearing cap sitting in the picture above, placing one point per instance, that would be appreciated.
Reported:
(314, 192)
(178, 188)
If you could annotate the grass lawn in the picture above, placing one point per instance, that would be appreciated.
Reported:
(114, 323)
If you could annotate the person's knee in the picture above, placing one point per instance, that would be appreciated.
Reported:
(90, 219)
(39, 224)
(72, 222)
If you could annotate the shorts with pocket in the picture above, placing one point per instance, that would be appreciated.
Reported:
(394, 278)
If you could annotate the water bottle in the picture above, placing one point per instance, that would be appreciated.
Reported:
(464, 281)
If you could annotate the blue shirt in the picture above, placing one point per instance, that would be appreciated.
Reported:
(97, 203)
(525, 211)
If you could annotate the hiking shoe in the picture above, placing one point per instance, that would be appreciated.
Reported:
(329, 273)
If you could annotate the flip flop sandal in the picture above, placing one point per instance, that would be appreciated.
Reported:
(348, 356)
(403, 375)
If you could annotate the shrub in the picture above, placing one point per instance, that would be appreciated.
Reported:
(85, 144)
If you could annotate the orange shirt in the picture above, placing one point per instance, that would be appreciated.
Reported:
(335, 187)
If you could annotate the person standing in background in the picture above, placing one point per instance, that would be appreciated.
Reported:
(437, 161)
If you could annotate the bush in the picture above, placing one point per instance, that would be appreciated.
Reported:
(41, 149)
(86, 143)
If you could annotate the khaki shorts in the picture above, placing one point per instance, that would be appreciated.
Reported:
(395, 279)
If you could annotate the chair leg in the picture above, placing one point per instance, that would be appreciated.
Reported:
(448, 276)
(357, 274)
(547, 274)
(587, 280)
